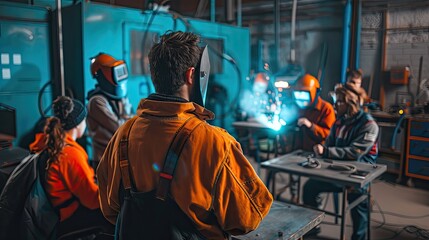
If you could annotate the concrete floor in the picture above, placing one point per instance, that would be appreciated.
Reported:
(402, 206)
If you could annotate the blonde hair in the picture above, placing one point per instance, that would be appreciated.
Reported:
(353, 97)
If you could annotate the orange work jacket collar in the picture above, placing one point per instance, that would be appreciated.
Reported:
(168, 109)
(318, 104)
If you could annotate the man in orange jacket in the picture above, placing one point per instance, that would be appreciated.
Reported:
(214, 184)
(315, 119)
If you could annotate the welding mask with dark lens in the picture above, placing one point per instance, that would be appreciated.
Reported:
(201, 78)
(111, 75)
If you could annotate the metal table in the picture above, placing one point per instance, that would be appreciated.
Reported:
(285, 221)
(289, 163)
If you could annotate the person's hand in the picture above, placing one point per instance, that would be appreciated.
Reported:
(318, 150)
(304, 122)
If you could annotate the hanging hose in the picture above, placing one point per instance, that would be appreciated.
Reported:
(39, 100)
(395, 132)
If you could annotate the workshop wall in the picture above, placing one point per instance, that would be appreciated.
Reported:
(407, 40)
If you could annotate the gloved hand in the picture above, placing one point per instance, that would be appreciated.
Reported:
(318, 150)
(304, 122)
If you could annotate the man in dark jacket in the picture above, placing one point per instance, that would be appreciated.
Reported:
(352, 137)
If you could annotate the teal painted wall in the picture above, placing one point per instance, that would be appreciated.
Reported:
(107, 29)
(25, 65)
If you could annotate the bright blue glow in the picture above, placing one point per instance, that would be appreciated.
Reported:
(268, 106)
(271, 123)
(155, 167)
(302, 95)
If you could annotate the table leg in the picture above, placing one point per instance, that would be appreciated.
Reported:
(276, 145)
(273, 184)
(343, 214)
(255, 143)
(298, 193)
(268, 178)
(368, 234)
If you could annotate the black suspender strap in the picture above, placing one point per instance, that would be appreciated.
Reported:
(167, 173)
(176, 147)
(123, 154)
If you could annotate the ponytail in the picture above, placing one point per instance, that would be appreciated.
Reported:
(54, 139)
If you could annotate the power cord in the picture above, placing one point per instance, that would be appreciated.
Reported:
(420, 233)
(345, 168)
(403, 216)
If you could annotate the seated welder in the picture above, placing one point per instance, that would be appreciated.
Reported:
(108, 105)
(315, 118)
(70, 181)
(352, 137)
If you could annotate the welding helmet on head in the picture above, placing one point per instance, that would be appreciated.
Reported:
(306, 90)
(201, 78)
(260, 83)
(111, 75)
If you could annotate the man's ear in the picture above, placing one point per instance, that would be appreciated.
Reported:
(189, 76)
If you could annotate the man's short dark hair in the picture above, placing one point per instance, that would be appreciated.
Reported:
(170, 58)
(354, 74)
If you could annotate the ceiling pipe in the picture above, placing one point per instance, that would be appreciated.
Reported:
(229, 11)
(202, 5)
(346, 40)
(288, 5)
(276, 32)
(301, 31)
(213, 10)
(60, 48)
(292, 32)
(358, 33)
(239, 14)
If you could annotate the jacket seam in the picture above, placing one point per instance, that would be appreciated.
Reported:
(213, 194)
(245, 192)
(237, 180)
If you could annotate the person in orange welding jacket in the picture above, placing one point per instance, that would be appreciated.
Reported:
(315, 119)
(213, 184)
(70, 181)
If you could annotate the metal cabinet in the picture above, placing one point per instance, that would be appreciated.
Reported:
(417, 155)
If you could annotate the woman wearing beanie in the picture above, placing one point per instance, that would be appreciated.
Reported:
(70, 182)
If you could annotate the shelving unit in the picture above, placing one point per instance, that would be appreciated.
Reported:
(417, 152)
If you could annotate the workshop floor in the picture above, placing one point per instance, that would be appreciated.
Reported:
(403, 208)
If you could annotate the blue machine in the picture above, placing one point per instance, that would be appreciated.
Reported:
(90, 28)
(25, 64)
(29, 61)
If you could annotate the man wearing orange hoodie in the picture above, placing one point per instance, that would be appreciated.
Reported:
(315, 119)
(214, 184)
